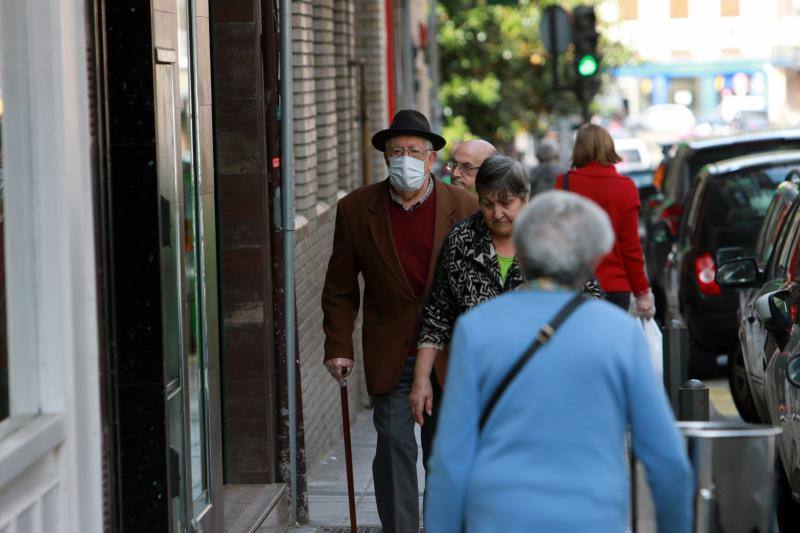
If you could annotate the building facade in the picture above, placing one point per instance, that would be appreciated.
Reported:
(716, 57)
(143, 355)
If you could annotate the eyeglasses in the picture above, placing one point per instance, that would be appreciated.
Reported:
(413, 152)
(466, 168)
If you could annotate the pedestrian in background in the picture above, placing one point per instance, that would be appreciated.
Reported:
(465, 160)
(594, 176)
(477, 262)
(551, 455)
(543, 176)
(390, 233)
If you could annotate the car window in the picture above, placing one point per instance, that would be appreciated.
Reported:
(734, 207)
(786, 240)
(692, 215)
(675, 174)
(769, 230)
(630, 155)
(692, 160)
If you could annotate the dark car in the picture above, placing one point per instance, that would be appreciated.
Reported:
(727, 206)
(770, 340)
(675, 177)
(746, 363)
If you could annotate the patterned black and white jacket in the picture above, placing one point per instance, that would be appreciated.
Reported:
(467, 274)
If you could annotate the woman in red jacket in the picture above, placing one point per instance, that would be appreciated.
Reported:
(593, 175)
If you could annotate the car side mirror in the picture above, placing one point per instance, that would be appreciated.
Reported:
(661, 233)
(772, 309)
(793, 371)
(738, 273)
(728, 254)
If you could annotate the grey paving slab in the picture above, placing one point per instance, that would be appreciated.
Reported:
(327, 483)
(327, 487)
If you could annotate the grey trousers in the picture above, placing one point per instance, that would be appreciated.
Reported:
(394, 468)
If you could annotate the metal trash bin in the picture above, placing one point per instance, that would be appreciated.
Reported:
(734, 472)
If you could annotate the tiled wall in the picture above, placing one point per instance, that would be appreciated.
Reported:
(330, 36)
(244, 239)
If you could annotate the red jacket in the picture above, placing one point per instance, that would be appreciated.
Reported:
(622, 270)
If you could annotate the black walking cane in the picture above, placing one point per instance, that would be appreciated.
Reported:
(348, 451)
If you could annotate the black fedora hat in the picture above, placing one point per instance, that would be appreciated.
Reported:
(408, 122)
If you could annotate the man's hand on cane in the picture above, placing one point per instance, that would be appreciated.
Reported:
(339, 368)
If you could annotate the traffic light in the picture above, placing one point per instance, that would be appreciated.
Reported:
(587, 60)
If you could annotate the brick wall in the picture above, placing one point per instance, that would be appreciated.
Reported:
(305, 110)
(329, 36)
(370, 42)
(347, 103)
(327, 152)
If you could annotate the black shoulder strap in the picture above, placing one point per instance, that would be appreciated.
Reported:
(544, 335)
(565, 181)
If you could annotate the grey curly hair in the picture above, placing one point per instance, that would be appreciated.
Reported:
(562, 236)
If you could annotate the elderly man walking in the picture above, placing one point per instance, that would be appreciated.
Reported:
(465, 161)
(390, 232)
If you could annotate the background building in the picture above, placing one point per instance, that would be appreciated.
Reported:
(719, 58)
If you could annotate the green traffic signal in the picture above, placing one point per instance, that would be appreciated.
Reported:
(587, 65)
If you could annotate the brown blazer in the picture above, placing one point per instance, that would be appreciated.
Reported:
(363, 244)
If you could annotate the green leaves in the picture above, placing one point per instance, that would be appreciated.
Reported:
(496, 75)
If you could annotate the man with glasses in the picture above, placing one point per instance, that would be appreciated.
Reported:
(465, 160)
(390, 233)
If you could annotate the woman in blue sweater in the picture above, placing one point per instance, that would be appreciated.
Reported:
(551, 456)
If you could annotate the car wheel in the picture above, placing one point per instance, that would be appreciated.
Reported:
(702, 361)
(788, 509)
(740, 387)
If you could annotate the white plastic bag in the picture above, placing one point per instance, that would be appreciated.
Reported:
(652, 335)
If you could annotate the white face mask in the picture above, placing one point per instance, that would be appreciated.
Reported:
(406, 173)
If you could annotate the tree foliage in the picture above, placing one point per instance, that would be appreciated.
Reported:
(496, 75)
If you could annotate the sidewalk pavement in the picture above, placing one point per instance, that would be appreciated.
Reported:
(327, 482)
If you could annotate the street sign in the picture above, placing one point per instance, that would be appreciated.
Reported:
(555, 30)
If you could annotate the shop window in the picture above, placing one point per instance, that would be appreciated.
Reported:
(679, 9)
(194, 349)
(629, 9)
(729, 8)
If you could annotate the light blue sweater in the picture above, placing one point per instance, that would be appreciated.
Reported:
(551, 457)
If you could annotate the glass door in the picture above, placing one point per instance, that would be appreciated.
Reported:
(171, 233)
(195, 352)
(185, 347)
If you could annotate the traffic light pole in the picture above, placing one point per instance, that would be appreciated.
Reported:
(585, 111)
(554, 56)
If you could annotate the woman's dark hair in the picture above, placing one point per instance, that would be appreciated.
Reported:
(594, 144)
(500, 176)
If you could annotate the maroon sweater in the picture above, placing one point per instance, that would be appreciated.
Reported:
(413, 239)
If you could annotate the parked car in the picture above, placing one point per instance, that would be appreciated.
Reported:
(772, 340)
(664, 118)
(636, 164)
(727, 205)
(682, 161)
(746, 362)
(634, 154)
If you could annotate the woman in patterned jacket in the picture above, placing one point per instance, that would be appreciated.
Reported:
(477, 262)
